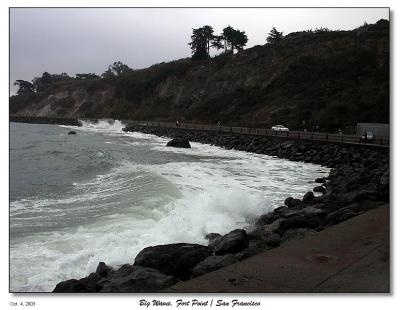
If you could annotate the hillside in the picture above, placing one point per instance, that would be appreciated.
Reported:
(331, 78)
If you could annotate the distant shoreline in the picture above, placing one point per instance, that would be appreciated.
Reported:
(45, 120)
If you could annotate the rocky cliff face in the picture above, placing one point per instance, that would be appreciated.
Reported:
(332, 79)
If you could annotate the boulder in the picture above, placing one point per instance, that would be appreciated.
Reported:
(137, 279)
(213, 238)
(212, 263)
(176, 259)
(266, 219)
(319, 189)
(72, 286)
(179, 142)
(312, 211)
(233, 242)
(94, 282)
(341, 215)
(320, 180)
(308, 197)
(299, 221)
(285, 212)
(293, 203)
(269, 238)
(72, 132)
(357, 196)
(103, 270)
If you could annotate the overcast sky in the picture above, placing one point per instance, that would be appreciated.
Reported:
(88, 40)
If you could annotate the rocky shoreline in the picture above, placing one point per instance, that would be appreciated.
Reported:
(358, 181)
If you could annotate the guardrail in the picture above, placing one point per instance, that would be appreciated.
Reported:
(317, 136)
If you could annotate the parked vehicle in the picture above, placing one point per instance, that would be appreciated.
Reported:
(367, 136)
(280, 128)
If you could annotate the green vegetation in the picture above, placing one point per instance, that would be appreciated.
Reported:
(203, 38)
(274, 36)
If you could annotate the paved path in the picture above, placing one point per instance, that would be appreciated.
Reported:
(351, 257)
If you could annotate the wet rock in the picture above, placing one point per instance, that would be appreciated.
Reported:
(286, 212)
(176, 259)
(233, 242)
(93, 282)
(266, 219)
(72, 286)
(213, 238)
(137, 279)
(255, 247)
(357, 196)
(308, 197)
(274, 227)
(312, 211)
(299, 221)
(340, 215)
(179, 142)
(293, 203)
(103, 270)
(212, 263)
(319, 189)
(72, 132)
(320, 180)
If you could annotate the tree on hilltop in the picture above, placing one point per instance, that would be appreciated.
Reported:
(233, 39)
(274, 36)
(24, 87)
(116, 69)
(202, 39)
(199, 45)
(86, 76)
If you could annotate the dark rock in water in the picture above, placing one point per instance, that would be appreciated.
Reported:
(127, 279)
(294, 203)
(296, 234)
(233, 242)
(266, 219)
(212, 263)
(176, 259)
(288, 200)
(213, 238)
(179, 142)
(319, 189)
(274, 227)
(320, 180)
(103, 270)
(269, 238)
(137, 279)
(285, 212)
(93, 282)
(308, 197)
(72, 132)
(299, 221)
(72, 286)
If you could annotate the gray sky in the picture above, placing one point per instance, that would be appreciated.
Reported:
(88, 40)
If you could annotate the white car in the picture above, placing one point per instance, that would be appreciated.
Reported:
(367, 136)
(280, 128)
